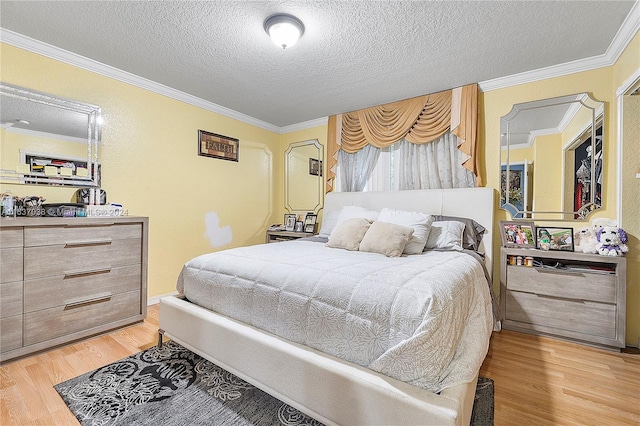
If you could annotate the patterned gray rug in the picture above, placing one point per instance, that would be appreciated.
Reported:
(174, 386)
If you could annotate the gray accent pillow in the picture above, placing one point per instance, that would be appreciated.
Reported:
(473, 231)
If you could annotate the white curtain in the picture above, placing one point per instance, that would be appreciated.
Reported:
(355, 169)
(432, 165)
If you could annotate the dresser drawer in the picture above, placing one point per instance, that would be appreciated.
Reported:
(10, 237)
(12, 261)
(10, 299)
(43, 293)
(10, 333)
(74, 259)
(56, 235)
(55, 322)
(592, 318)
(551, 282)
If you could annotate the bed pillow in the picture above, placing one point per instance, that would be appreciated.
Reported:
(420, 222)
(350, 212)
(329, 220)
(446, 235)
(349, 234)
(386, 238)
(473, 231)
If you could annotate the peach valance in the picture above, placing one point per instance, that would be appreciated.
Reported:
(419, 120)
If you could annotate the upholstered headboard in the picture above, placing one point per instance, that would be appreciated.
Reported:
(473, 203)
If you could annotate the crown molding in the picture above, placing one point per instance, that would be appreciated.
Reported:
(44, 49)
(623, 37)
(304, 125)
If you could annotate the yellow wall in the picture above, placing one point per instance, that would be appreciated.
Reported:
(601, 84)
(150, 164)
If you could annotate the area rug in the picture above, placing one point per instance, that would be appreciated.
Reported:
(174, 386)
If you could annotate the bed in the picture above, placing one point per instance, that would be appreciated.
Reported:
(228, 303)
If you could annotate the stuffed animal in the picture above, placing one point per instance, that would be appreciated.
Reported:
(599, 222)
(612, 241)
(585, 240)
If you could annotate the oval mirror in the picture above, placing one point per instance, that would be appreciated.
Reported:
(48, 140)
(303, 179)
(551, 158)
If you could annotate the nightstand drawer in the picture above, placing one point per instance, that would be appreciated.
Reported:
(592, 318)
(48, 292)
(74, 259)
(56, 235)
(571, 285)
(79, 315)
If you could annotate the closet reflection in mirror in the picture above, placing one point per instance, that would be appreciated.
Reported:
(48, 140)
(303, 183)
(551, 158)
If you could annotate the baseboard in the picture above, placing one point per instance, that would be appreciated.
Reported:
(156, 299)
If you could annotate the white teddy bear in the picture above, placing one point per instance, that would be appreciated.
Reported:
(612, 241)
(586, 240)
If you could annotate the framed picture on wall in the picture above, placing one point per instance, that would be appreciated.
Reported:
(217, 146)
(554, 238)
(315, 167)
(517, 234)
(289, 222)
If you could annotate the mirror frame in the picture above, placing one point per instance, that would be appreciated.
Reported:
(597, 114)
(287, 201)
(94, 130)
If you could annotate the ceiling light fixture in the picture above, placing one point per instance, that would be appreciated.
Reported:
(284, 30)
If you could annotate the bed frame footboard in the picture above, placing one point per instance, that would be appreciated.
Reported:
(328, 389)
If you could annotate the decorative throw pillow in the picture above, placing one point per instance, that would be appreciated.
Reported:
(350, 212)
(349, 234)
(420, 222)
(473, 231)
(386, 238)
(445, 235)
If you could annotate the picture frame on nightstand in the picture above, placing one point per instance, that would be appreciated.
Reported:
(517, 234)
(289, 222)
(554, 238)
(310, 221)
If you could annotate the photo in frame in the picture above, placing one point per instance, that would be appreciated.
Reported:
(289, 222)
(217, 146)
(315, 167)
(517, 234)
(299, 226)
(554, 238)
(310, 222)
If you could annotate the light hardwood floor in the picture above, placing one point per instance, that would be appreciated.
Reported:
(538, 381)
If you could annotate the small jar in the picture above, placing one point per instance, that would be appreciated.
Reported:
(528, 261)
(519, 261)
(512, 260)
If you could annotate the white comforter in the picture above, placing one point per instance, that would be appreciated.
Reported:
(423, 319)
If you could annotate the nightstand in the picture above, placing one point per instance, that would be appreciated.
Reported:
(574, 296)
(280, 236)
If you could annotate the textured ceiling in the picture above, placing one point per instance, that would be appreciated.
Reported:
(353, 54)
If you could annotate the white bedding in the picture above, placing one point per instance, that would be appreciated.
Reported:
(410, 318)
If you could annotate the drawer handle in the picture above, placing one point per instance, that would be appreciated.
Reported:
(89, 225)
(88, 243)
(558, 272)
(75, 274)
(546, 296)
(72, 304)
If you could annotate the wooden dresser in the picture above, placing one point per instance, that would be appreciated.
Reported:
(575, 296)
(63, 279)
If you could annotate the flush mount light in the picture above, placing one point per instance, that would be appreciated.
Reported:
(284, 30)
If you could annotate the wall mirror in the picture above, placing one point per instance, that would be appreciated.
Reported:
(47, 139)
(303, 181)
(551, 158)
